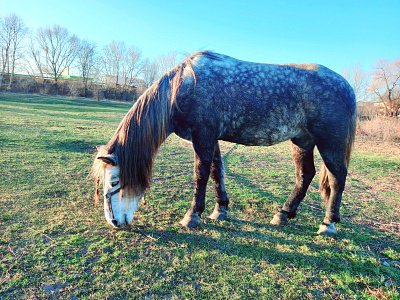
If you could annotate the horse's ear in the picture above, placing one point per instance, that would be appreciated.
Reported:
(109, 159)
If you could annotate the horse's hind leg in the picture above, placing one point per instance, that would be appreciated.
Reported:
(218, 177)
(335, 172)
(302, 153)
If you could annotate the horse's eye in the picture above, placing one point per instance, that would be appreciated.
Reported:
(115, 183)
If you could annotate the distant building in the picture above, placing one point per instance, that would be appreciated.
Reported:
(133, 83)
(112, 80)
(65, 72)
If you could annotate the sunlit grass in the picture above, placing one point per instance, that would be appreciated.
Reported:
(54, 242)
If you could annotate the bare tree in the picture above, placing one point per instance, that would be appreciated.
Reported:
(60, 49)
(5, 44)
(150, 72)
(112, 57)
(86, 61)
(358, 79)
(19, 31)
(385, 84)
(166, 62)
(37, 70)
(132, 67)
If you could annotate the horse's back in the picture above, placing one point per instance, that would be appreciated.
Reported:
(264, 104)
(272, 83)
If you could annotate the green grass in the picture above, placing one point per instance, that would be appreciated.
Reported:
(55, 244)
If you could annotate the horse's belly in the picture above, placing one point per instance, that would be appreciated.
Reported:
(263, 137)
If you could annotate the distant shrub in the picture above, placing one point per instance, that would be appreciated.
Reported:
(366, 110)
(75, 88)
(72, 86)
(380, 128)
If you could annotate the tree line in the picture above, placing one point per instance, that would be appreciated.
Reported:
(380, 86)
(43, 61)
(118, 71)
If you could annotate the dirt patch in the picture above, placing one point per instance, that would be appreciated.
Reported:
(365, 144)
(53, 288)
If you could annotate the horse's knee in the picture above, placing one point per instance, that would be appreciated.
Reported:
(202, 172)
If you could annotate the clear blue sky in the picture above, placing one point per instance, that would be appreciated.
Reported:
(337, 33)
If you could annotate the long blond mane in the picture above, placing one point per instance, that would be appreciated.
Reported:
(143, 130)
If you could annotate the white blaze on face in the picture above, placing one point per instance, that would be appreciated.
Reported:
(118, 209)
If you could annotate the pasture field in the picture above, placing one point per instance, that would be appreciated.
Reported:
(55, 243)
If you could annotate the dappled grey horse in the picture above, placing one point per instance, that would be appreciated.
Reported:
(211, 97)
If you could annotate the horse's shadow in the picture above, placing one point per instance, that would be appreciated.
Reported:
(253, 245)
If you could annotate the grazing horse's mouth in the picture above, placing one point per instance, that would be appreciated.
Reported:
(116, 225)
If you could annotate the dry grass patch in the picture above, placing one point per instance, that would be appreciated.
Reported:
(380, 128)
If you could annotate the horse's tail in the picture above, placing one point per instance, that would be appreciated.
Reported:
(348, 146)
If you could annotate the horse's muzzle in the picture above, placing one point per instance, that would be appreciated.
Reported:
(120, 225)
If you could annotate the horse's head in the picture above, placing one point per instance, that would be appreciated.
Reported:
(118, 205)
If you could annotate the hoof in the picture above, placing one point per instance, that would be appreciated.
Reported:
(219, 213)
(327, 230)
(280, 219)
(190, 220)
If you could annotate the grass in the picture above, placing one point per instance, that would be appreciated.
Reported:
(55, 244)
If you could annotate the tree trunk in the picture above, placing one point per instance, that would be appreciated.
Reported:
(5, 61)
(56, 85)
(12, 68)
(115, 91)
(85, 87)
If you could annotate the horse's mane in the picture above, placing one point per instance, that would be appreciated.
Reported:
(144, 129)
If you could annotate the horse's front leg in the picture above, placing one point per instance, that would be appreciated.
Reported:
(203, 161)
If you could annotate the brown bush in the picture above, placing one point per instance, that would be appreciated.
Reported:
(366, 110)
(69, 87)
(381, 128)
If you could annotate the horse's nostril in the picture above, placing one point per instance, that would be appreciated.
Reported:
(115, 223)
